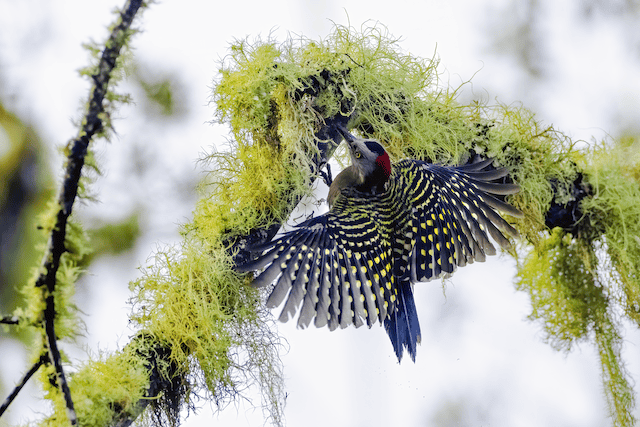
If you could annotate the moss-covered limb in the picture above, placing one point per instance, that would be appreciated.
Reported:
(49, 308)
(114, 389)
(191, 300)
(92, 125)
(275, 96)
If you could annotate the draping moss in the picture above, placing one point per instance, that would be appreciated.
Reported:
(581, 284)
(614, 216)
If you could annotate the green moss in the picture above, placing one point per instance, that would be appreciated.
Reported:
(613, 212)
(559, 275)
(195, 303)
(103, 390)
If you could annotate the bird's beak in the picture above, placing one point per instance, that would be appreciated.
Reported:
(346, 135)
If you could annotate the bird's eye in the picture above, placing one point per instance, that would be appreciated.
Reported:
(358, 154)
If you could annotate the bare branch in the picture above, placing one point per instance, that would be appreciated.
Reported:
(16, 390)
(9, 320)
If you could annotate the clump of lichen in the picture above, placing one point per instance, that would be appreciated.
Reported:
(194, 303)
(580, 283)
(574, 296)
(560, 276)
(103, 390)
(614, 215)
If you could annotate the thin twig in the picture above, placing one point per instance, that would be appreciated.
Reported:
(9, 320)
(91, 125)
(24, 380)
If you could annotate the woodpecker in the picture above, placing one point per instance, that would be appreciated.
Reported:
(388, 226)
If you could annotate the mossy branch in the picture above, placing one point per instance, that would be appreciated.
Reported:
(92, 125)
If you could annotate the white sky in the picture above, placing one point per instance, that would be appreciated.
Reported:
(479, 356)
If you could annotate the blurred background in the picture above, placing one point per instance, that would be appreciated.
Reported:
(481, 362)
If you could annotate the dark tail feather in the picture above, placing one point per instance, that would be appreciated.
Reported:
(402, 325)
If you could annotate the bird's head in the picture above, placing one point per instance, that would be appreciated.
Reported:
(368, 158)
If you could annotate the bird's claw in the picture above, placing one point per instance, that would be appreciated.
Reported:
(326, 176)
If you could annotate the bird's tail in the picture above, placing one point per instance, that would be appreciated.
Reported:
(402, 325)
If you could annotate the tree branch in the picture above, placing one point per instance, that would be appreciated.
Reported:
(92, 125)
(16, 390)
(9, 320)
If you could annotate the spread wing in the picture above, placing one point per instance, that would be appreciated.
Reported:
(336, 266)
(453, 213)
